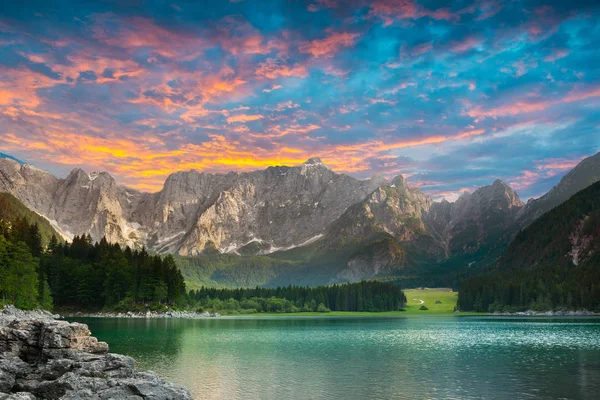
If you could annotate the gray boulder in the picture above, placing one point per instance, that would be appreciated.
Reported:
(43, 358)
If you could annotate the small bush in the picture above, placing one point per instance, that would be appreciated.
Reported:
(323, 309)
(423, 308)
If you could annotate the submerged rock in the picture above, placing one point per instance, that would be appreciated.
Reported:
(43, 358)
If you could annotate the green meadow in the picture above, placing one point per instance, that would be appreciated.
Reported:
(416, 298)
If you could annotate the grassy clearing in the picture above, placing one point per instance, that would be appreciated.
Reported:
(414, 298)
(428, 297)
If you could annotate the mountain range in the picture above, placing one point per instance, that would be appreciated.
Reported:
(353, 229)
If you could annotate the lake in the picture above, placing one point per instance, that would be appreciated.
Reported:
(365, 357)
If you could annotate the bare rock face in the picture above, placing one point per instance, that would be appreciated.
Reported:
(375, 234)
(278, 208)
(32, 186)
(395, 210)
(42, 358)
(273, 209)
(475, 219)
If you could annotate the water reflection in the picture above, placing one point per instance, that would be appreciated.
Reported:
(297, 358)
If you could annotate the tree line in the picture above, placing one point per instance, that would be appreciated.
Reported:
(360, 296)
(91, 275)
(82, 274)
(540, 289)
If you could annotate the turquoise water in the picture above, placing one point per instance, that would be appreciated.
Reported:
(366, 358)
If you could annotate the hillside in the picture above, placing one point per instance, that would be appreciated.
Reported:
(12, 208)
(555, 262)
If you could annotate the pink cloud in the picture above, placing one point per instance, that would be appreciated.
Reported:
(272, 69)
(556, 54)
(391, 10)
(422, 49)
(330, 45)
(543, 169)
(466, 44)
(244, 118)
(530, 106)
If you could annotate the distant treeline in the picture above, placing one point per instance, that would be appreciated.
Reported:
(360, 296)
(540, 289)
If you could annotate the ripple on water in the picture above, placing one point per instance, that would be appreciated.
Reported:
(370, 358)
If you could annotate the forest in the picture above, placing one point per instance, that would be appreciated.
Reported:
(360, 296)
(81, 274)
(539, 270)
(88, 275)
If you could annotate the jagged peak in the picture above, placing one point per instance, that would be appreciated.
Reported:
(81, 175)
(313, 161)
(398, 181)
(499, 182)
(465, 195)
(77, 172)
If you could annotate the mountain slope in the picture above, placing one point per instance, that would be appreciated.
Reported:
(583, 175)
(555, 262)
(8, 156)
(472, 227)
(12, 208)
(566, 236)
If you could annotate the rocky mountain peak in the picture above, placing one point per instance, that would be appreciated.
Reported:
(398, 181)
(499, 192)
(313, 161)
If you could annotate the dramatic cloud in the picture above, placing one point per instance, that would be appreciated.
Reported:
(452, 95)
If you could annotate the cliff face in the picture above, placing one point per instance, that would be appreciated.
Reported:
(476, 219)
(273, 209)
(42, 358)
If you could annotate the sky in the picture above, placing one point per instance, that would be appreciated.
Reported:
(450, 94)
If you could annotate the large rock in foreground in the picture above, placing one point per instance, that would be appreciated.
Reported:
(43, 358)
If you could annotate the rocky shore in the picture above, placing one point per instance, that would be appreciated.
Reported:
(146, 314)
(44, 358)
(562, 313)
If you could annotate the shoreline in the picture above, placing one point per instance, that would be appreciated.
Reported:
(531, 313)
(332, 314)
(147, 314)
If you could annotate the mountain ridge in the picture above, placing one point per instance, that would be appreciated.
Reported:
(358, 229)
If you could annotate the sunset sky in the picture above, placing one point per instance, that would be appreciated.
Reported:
(451, 94)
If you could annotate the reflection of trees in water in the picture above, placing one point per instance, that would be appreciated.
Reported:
(151, 342)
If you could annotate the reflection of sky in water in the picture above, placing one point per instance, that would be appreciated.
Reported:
(297, 358)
